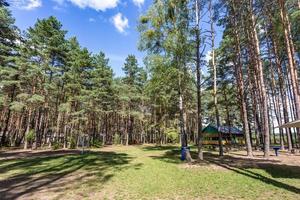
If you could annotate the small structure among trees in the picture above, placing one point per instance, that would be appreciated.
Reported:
(230, 135)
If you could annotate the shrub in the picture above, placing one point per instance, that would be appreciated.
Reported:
(117, 139)
(72, 142)
(96, 143)
(30, 136)
(55, 145)
(172, 135)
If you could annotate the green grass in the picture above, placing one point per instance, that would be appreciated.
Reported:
(145, 172)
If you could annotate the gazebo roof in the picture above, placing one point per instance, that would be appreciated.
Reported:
(292, 124)
(223, 129)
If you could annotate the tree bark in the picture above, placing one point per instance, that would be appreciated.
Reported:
(260, 78)
(217, 116)
(198, 71)
(240, 83)
(291, 59)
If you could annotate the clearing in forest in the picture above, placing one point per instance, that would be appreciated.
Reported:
(145, 172)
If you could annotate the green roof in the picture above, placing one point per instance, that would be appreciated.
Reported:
(211, 129)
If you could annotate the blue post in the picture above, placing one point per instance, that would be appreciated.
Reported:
(183, 153)
(183, 149)
(276, 150)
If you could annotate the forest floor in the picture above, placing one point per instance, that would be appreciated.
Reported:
(145, 172)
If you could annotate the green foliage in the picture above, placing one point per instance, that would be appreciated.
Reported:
(56, 145)
(102, 94)
(130, 90)
(30, 136)
(2, 100)
(23, 96)
(3, 3)
(17, 106)
(172, 135)
(61, 83)
(117, 139)
(64, 107)
(165, 37)
(144, 19)
(96, 143)
(36, 99)
(72, 142)
(9, 71)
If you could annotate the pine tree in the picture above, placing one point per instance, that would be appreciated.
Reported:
(9, 72)
(171, 18)
(44, 57)
(102, 93)
(78, 87)
(3, 3)
(134, 81)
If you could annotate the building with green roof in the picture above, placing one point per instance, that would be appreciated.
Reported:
(230, 135)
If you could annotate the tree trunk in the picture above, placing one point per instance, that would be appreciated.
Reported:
(240, 83)
(217, 116)
(282, 90)
(3, 138)
(27, 128)
(291, 58)
(228, 116)
(184, 143)
(198, 69)
(260, 78)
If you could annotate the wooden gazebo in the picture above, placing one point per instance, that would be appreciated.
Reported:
(230, 135)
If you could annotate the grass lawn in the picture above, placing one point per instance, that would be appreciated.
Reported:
(143, 172)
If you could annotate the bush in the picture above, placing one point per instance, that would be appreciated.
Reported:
(172, 135)
(117, 139)
(96, 143)
(30, 136)
(72, 142)
(55, 145)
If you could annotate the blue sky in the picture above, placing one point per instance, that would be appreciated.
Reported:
(100, 25)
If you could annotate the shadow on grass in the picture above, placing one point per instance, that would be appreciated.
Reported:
(171, 153)
(159, 148)
(11, 155)
(60, 172)
(274, 169)
(241, 166)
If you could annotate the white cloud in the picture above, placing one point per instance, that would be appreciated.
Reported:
(92, 19)
(208, 56)
(99, 5)
(28, 4)
(58, 8)
(138, 3)
(120, 22)
(60, 2)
